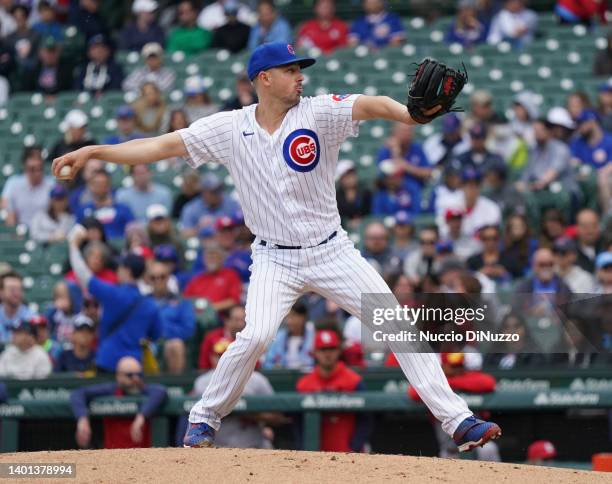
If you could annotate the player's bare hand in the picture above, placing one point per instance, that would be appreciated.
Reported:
(67, 166)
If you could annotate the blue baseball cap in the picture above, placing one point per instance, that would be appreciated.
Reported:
(125, 111)
(403, 218)
(587, 115)
(58, 191)
(134, 262)
(605, 87)
(206, 231)
(444, 246)
(470, 174)
(450, 123)
(166, 253)
(603, 260)
(275, 54)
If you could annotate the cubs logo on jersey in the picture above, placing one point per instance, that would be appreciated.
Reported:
(340, 97)
(301, 150)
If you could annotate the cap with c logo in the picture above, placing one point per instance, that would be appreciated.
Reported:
(275, 54)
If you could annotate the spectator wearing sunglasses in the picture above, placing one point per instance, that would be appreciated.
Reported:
(119, 432)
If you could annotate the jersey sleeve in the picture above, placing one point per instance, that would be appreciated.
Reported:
(209, 139)
(334, 116)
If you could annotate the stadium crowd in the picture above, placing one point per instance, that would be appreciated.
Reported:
(494, 203)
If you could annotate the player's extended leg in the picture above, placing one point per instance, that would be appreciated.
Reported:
(339, 272)
(273, 289)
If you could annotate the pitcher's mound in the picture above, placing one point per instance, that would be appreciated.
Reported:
(238, 465)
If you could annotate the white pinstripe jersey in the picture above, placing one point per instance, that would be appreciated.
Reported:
(285, 181)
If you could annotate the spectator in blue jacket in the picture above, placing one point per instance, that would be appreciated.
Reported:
(113, 216)
(407, 157)
(127, 316)
(592, 146)
(119, 432)
(293, 345)
(143, 29)
(271, 27)
(377, 28)
(177, 318)
(394, 195)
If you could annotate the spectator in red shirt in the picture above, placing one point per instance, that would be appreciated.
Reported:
(119, 432)
(215, 339)
(340, 432)
(325, 31)
(220, 285)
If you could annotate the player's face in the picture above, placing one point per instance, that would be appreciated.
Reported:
(286, 83)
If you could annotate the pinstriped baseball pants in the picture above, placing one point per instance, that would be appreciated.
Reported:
(336, 271)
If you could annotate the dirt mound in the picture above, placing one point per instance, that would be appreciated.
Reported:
(237, 465)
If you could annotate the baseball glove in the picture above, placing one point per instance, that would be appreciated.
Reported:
(434, 84)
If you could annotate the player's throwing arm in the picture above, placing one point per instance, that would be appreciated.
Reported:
(135, 152)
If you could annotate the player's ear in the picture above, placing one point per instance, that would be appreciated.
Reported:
(264, 77)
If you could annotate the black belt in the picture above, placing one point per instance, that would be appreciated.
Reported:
(277, 246)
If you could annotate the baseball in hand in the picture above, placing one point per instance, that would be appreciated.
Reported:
(65, 171)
